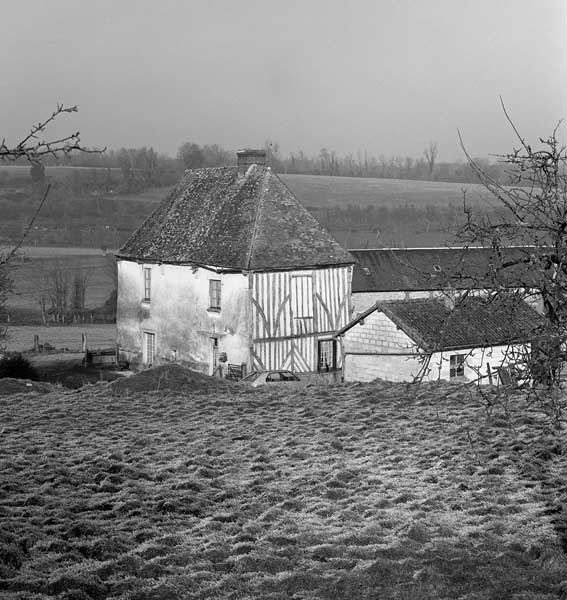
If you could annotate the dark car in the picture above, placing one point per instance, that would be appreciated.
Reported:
(278, 377)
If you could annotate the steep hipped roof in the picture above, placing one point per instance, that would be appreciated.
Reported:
(474, 322)
(232, 220)
(410, 269)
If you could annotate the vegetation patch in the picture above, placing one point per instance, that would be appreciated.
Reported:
(114, 492)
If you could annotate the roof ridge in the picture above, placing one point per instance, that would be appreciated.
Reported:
(259, 207)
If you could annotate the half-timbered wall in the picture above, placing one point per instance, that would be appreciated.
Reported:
(292, 311)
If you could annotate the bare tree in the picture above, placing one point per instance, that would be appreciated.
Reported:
(430, 155)
(535, 222)
(79, 295)
(33, 148)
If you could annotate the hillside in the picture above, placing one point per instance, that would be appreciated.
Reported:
(324, 191)
(172, 485)
(84, 209)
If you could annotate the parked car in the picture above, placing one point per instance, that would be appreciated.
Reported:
(277, 377)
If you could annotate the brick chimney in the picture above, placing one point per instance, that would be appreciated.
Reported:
(249, 157)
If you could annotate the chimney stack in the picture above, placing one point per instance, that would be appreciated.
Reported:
(249, 157)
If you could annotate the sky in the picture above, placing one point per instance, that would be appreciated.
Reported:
(382, 76)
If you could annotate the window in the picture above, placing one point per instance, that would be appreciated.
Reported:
(456, 365)
(149, 350)
(271, 377)
(327, 354)
(302, 296)
(214, 294)
(147, 284)
(289, 376)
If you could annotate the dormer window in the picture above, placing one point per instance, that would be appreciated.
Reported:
(147, 284)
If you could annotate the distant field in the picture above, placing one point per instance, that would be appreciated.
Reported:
(33, 277)
(26, 252)
(59, 171)
(20, 338)
(325, 191)
(318, 193)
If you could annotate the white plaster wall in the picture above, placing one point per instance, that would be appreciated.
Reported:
(179, 316)
(407, 368)
(477, 361)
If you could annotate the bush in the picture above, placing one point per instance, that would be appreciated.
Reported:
(18, 367)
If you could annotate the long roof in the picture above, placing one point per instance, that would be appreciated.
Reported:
(231, 220)
(410, 269)
(473, 322)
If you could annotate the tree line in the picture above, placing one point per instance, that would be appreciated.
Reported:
(141, 168)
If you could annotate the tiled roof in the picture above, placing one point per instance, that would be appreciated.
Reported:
(434, 268)
(473, 322)
(223, 218)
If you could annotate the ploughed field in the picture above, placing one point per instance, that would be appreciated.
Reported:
(169, 484)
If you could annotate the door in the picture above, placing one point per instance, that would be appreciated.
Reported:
(149, 349)
(215, 359)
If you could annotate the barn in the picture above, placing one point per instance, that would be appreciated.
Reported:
(469, 339)
(405, 273)
(231, 270)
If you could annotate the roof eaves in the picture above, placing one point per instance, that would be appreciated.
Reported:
(357, 319)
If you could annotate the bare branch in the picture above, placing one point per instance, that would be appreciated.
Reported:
(32, 148)
(28, 228)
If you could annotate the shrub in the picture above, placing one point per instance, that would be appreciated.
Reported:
(18, 367)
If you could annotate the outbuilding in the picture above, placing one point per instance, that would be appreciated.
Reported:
(467, 339)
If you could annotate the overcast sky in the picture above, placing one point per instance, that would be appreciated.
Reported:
(387, 76)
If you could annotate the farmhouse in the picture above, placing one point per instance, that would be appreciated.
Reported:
(404, 273)
(433, 338)
(231, 270)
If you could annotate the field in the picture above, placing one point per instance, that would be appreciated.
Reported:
(323, 191)
(171, 485)
(57, 172)
(20, 338)
(406, 212)
(33, 271)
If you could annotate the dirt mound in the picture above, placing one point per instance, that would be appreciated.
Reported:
(9, 386)
(168, 377)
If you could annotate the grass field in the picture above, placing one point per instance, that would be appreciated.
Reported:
(20, 338)
(196, 489)
(326, 191)
(55, 171)
(34, 277)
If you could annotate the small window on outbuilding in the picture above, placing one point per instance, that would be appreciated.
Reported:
(456, 365)
(214, 294)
